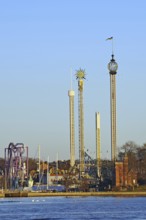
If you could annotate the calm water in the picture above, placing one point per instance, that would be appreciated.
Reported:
(73, 208)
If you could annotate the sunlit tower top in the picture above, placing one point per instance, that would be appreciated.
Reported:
(112, 67)
(80, 76)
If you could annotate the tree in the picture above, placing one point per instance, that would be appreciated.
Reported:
(130, 148)
(2, 166)
(32, 164)
(141, 158)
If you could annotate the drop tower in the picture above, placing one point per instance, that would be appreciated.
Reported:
(112, 67)
(80, 76)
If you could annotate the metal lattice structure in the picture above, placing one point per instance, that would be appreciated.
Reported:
(16, 165)
(113, 115)
(112, 66)
(80, 75)
(90, 165)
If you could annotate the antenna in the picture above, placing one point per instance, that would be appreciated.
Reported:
(71, 78)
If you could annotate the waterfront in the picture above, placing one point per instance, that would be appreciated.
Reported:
(73, 208)
(72, 194)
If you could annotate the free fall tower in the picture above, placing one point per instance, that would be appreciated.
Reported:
(80, 76)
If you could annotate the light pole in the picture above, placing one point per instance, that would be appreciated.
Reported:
(48, 173)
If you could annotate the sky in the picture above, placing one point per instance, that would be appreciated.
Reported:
(41, 43)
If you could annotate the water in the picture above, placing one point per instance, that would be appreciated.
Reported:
(47, 208)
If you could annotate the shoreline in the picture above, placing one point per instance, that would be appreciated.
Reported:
(72, 194)
(84, 194)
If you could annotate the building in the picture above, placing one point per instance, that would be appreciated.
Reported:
(123, 176)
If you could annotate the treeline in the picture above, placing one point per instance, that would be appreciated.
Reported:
(137, 159)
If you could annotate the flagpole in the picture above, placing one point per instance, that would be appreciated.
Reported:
(112, 46)
(111, 38)
(47, 172)
(39, 164)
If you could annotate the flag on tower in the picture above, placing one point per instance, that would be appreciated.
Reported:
(110, 38)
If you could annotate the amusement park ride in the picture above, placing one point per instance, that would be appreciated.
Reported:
(16, 165)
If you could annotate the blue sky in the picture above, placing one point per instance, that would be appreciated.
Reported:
(40, 41)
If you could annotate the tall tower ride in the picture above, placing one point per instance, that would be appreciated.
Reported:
(113, 66)
(71, 95)
(98, 147)
(80, 76)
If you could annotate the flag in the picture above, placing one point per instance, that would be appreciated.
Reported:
(110, 38)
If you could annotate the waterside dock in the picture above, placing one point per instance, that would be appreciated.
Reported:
(70, 194)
